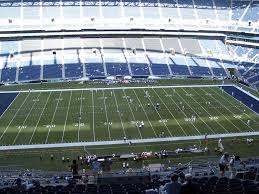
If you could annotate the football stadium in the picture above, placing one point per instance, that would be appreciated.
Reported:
(129, 96)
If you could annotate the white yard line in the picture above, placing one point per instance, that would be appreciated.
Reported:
(132, 113)
(9, 105)
(195, 112)
(64, 129)
(162, 120)
(206, 110)
(14, 116)
(119, 114)
(40, 117)
(53, 117)
(93, 113)
(146, 114)
(107, 120)
(215, 100)
(170, 112)
(79, 119)
(228, 109)
(181, 110)
(27, 116)
(121, 142)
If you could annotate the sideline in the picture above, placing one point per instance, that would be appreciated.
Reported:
(120, 142)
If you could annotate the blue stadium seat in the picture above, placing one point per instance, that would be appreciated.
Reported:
(8, 74)
(94, 70)
(52, 71)
(73, 70)
(114, 69)
(178, 65)
(139, 69)
(160, 69)
(31, 72)
(200, 71)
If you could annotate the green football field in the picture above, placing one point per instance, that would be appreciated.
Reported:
(112, 114)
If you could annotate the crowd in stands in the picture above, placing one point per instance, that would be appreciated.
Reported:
(229, 176)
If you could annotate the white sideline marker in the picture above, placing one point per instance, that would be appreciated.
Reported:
(231, 111)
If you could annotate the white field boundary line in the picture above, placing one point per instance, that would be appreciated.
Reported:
(249, 94)
(218, 94)
(14, 117)
(117, 88)
(242, 102)
(223, 106)
(120, 142)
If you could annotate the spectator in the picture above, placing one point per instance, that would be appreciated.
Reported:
(233, 165)
(19, 186)
(223, 163)
(174, 186)
(189, 187)
(74, 168)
